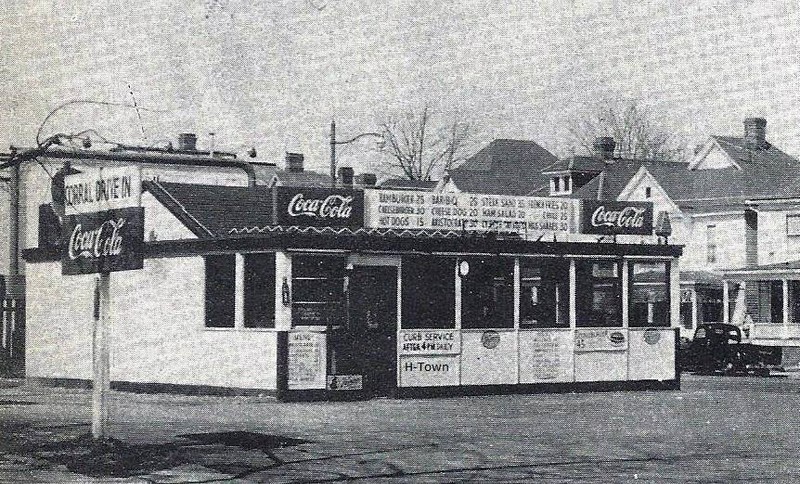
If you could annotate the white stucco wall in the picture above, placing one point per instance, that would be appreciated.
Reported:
(158, 331)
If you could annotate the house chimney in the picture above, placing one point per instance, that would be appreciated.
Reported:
(346, 176)
(294, 162)
(755, 132)
(187, 142)
(604, 147)
(367, 179)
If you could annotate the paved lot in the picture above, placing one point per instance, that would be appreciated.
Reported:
(717, 429)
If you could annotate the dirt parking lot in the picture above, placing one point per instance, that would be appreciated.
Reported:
(716, 429)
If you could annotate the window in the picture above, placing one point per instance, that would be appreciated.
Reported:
(487, 293)
(220, 290)
(648, 192)
(428, 293)
(259, 290)
(793, 224)
(561, 184)
(711, 244)
(649, 294)
(318, 290)
(544, 293)
(599, 294)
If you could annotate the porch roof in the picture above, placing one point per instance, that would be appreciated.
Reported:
(765, 272)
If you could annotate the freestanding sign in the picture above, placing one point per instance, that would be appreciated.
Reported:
(610, 217)
(103, 232)
(320, 207)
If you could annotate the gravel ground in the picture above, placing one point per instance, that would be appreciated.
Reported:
(716, 429)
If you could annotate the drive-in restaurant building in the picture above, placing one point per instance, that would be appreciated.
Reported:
(311, 293)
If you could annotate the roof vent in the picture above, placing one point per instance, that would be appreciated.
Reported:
(187, 142)
(604, 147)
(294, 162)
(755, 132)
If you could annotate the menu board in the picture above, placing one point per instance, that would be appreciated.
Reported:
(307, 362)
(545, 356)
(530, 217)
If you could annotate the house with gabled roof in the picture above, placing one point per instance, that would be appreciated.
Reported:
(736, 208)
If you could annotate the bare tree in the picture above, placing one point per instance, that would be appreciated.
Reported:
(636, 132)
(422, 144)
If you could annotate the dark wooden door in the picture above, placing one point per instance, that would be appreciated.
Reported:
(373, 326)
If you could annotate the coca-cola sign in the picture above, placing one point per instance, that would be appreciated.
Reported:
(320, 207)
(107, 241)
(610, 217)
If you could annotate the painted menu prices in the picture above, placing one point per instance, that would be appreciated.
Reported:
(406, 209)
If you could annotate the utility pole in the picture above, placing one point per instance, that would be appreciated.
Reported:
(334, 143)
(333, 153)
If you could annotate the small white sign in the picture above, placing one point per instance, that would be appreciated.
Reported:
(429, 342)
(103, 188)
(307, 360)
(601, 339)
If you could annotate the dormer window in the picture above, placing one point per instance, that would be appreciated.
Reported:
(561, 185)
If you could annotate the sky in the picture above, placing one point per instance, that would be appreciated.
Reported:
(273, 74)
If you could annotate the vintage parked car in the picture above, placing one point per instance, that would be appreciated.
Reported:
(718, 348)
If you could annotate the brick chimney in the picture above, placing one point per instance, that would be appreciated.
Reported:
(346, 176)
(294, 162)
(604, 147)
(755, 132)
(366, 179)
(187, 142)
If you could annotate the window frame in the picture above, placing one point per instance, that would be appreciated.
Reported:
(711, 244)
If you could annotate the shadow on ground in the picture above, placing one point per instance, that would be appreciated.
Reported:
(73, 447)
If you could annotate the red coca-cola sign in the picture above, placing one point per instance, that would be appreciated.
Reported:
(320, 207)
(107, 241)
(610, 217)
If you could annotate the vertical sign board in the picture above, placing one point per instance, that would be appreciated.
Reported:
(103, 232)
(320, 207)
(610, 217)
(307, 360)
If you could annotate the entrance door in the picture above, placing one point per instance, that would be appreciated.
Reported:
(372, 325)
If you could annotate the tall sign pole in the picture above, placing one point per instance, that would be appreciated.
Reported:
(104, 232)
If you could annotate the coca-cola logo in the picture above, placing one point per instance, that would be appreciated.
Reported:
(628, 217)
(331, 207)
(102, 241)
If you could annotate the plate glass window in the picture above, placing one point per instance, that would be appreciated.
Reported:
(318, 295)
(220, 282)
(487, 293)
(428, 294)
(599, 293)
(649, 294)
(544, 293)
(259, 290)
